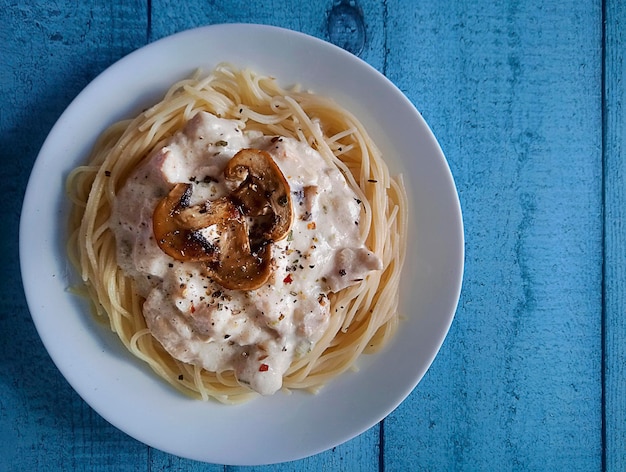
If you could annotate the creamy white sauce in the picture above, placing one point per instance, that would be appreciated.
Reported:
(256, 333)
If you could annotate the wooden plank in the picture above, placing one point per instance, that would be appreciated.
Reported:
(50, 51)
(615, 237)
(331, 21)
(353, 456)
(320, 20)
(512, 90)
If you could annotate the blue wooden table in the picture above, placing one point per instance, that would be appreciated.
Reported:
(525, 98)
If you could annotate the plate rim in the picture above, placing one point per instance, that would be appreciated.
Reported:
(29, 196)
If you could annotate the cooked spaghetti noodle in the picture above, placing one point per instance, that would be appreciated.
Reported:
(363, 316)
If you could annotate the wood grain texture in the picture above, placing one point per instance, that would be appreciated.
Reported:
(513, 92)
(313, 18)
(50, 51)
(615, 237)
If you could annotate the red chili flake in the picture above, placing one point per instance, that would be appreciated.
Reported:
(288, 279)
(264, 368)
(193, 308)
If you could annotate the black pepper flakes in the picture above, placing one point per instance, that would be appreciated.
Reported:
(208, 179)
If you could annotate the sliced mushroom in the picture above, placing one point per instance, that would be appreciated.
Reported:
(262, 190)
(239, 268)
(261, 193)
(176, 225)
(209, 213)
(230, 261)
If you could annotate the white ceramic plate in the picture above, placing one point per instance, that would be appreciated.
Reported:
(282, 427)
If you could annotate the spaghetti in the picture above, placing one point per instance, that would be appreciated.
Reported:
(362, 316)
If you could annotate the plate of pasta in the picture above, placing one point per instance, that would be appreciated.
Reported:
(242, 245)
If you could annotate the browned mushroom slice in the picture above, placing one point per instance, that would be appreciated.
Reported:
(176, 225)
(262, 190)
(230, 259)
(211, 212)
(238, 268)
